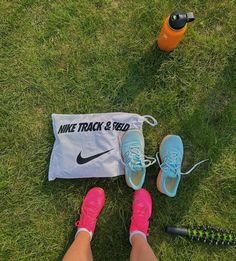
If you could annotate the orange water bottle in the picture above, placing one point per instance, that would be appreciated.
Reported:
(173, 30)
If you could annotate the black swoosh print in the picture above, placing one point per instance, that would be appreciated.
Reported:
(81, 160)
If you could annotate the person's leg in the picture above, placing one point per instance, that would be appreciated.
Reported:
(141, 251)
(80, 250)
(142, 210)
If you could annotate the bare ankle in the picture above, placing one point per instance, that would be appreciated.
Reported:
(138, 239)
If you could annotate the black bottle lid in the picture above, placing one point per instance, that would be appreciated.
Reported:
(178, 20)
(176, 231)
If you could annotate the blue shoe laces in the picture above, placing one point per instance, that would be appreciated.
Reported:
(171, 162)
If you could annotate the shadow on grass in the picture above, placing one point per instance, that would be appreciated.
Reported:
(141, 75)
(209, 130)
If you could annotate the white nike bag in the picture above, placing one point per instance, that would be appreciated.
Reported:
(88, 145)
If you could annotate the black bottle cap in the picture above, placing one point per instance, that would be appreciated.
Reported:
(176, 230)
(178, 20)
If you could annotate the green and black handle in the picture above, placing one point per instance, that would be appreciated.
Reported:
(206, 234)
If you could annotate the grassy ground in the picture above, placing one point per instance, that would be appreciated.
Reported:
(100, 56)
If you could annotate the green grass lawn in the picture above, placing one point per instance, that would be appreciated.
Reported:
(101, 56)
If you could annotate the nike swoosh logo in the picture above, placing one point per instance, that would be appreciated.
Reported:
(80, 160)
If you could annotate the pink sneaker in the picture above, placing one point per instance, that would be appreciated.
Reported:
(142, 210)
(91, 208)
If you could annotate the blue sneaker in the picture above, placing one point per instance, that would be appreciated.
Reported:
(132, 151)
(171, 155)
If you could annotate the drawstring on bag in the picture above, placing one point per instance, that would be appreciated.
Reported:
(150, 120)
